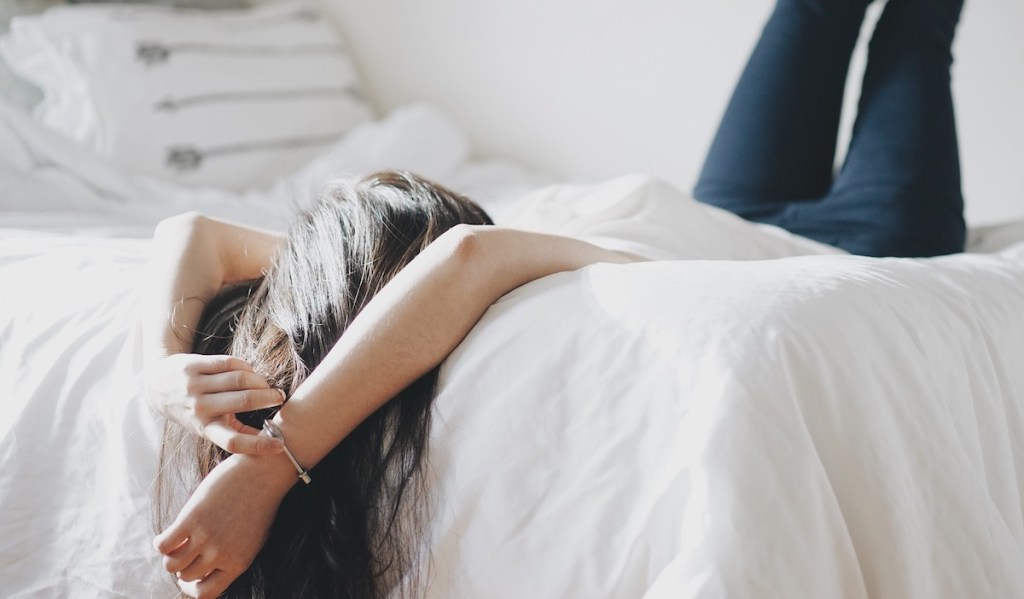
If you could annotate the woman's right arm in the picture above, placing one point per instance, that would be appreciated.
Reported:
(193, 257)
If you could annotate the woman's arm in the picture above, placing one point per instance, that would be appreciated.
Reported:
(193, 257)
(408, 328)
(414, 323)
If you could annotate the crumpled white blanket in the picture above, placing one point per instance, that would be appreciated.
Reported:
(808, 426)
(825, 426)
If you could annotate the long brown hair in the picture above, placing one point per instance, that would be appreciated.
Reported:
(355, 531)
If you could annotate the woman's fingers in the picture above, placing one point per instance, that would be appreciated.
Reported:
(170, 539)
(211, 586)
(219, 363)
(189, 588)
(197, 570)
(233, 441)
(233, 402)
(205, 393)
(233, 380)
(181, 557)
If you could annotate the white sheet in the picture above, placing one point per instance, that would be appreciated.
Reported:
(76, 444)
(810, 426)
(649, 217)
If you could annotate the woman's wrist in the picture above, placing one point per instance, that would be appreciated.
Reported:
(295, 440)
(274, 471)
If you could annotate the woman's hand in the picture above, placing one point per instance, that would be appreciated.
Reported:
(224, 524)
(203, 394)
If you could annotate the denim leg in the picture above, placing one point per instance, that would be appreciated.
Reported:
(899, 191)
(776, 141)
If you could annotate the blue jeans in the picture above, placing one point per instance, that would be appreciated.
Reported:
(772, 160)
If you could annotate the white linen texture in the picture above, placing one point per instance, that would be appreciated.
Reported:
(231, 99)
(808, 426)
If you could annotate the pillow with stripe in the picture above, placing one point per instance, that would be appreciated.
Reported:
(15, 90)
(232, 99)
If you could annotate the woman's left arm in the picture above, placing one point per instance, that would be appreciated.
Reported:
(407, 329)
(193, 257)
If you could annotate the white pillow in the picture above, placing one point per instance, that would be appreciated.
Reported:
(14, 89)
(231, 98)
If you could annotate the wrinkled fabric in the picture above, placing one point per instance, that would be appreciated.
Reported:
(807, 426)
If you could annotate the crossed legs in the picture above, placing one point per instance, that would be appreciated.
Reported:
(898, 192)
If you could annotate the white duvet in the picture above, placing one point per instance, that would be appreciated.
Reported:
(810, 427)
(806, 426)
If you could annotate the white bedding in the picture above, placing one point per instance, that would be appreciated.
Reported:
(809, 426)
(742, 419)
(50, 185)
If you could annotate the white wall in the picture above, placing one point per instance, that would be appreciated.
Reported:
(591, 89)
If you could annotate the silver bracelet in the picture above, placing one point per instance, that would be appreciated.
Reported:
(274, 431)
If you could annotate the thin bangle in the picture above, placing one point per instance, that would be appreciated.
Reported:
(272, 430)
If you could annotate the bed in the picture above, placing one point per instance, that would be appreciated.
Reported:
(751, 416)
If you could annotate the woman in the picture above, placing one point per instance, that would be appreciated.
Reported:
(335, 259)
(371, 292)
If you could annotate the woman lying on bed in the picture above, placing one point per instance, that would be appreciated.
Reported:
(349, 316)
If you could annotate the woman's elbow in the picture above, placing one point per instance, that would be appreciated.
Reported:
(465, 252)
(464, 243)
